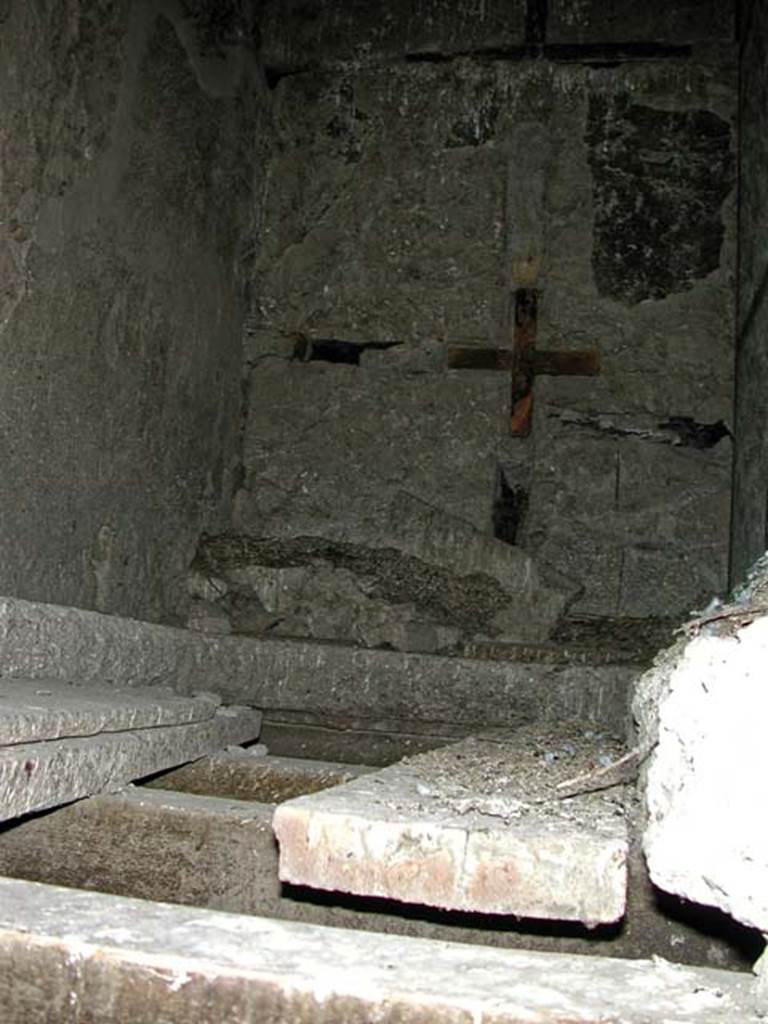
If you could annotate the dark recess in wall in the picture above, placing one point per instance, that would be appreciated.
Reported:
(510, 504)
(332, 350)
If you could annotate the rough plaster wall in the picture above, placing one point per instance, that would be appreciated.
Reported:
(123, 170)
(398, 203)
(750, 513)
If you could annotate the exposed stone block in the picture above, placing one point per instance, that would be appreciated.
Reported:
(31, 710)
(130, 960)
(477, 826)
(34, 776)
(266, 779)
(331, 34)
(589, 21)
(702, 711)
(359, 688)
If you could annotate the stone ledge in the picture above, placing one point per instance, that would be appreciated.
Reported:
(32, 710)
(476, 826)
(35, 776)
(66, 953)
(40, 641)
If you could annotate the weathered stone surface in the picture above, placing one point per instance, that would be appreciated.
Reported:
(750, 505)
(477, 826)
(426, 581)
(357, 686)
(550, 160)
(153, 845)
(301, 35)
(265, 779)
(221, 853)
(125, 173)
(704, 706)
(652, 167)
(624, 21)
(34, 776)
(398, 233)
(129, 960)
(32, 711)
(328, 447)
(635, 474)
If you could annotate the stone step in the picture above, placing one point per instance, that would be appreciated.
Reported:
(219, 851)
(64, 952)
(38, 775)
(476, 826)
(349, 687)
(31, 710)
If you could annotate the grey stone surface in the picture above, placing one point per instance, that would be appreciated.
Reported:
(298, 35)
(196, 849)
(750, 510)
(598, 514)
(153, 845)
(340, 684)
(475, 826)
(30, 711)
(426, 581)
(34, 776)
(701, 711)
(239, 775)
(129, 959)
(624, 21)
(435, 190)
(327, 447)
(126, 173)
(650, 166)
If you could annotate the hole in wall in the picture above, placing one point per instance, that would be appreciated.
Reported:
(333, 350)
(510, 505)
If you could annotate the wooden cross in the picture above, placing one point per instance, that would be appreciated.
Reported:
(524, 361)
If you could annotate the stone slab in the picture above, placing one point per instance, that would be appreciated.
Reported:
(221, 853)
(703, 709)
(332, 34)
(328, 446)
(267, 779)
(624, 21)
(476, 826)
(39, 641)
(34, 776)
(155, 845)
(68, 956)
(31, 710)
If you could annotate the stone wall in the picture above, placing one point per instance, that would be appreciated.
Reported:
(426, 168)
(750, 513)
(125, 165)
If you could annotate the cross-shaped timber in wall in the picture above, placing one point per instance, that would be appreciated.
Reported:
(524, 361)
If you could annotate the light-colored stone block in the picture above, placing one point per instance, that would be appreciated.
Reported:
(477, 826)
(66, 953)
(34, 776)
(705, 706)
(32, 710)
